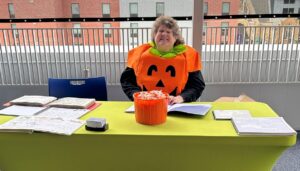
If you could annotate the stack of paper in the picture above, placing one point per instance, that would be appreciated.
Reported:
(21, 110)
(42, 124)
(228, 114)
(33, 100)
(73, 102)
(262, 126)
(54, 112)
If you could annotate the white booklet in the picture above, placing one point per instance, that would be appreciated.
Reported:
(73, 102)
(41, 124)
(193, 109)
(262, 126)
(17, 110)
(64, 113)
(228, 114)
(33, 100)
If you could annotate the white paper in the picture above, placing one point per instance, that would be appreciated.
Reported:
(42, 124)
(130, 109)
(228, 114)
(73, 102)
(194, 109)
(21, 110)
(64, 113)
(33, 100)
(262, 126)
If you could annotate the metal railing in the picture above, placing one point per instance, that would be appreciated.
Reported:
(229, 55)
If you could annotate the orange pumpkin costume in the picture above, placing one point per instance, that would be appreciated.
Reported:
(154, 72)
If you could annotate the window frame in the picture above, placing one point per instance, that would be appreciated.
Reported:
(106, 30)
(204, 31)
(14, 30)
(225, 13)
(74, 15)
(134, 30)
(163, 9)
(76, 31)
(130, 11)
(224, 29)
(288, 1)
(109, 9)
(205, 8)
(11, 10)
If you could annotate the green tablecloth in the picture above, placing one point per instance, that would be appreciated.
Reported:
(182, 143)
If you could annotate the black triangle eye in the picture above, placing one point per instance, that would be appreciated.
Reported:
(172, 70)
(151, 69)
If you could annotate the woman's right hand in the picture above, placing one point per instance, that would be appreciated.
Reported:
(175, 100)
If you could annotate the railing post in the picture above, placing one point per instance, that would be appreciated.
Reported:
(197, 25)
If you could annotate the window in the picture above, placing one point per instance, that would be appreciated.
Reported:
(107, 30)
(204, 29)
(205, 8)
(75, 11)
(287, 33)
(160, 8)
(133, 9)
(105, 10)
(11, 10)
(133, 30)
(225, 8)
(224, 28)
(76, 30)
(14, 30)
(289, 1)
(288, 10)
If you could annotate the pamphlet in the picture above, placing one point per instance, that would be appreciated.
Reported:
(42, 124)
(228, 114)
(262, 126)
(73, 102)
(33, 100)
(17, 110)
(193, 109)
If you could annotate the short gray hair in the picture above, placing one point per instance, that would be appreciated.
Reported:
(170, 23)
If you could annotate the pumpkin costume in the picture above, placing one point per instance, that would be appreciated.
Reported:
(177, 72)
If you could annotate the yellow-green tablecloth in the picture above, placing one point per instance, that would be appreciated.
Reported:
(183, 143)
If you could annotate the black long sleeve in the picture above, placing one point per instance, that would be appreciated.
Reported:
(128, 83)
(194, 87)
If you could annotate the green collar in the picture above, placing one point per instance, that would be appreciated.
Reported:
(179, 49)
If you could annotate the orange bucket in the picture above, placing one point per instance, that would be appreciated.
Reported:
(150, 111)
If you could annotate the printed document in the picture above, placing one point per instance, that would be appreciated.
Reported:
(63, 113)
(262, 126)
(42, 124)
(21, 110)
(228, 114)
(194, 109)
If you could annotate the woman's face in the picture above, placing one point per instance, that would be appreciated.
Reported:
(164, 38)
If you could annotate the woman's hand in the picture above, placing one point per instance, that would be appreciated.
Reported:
(175, 99)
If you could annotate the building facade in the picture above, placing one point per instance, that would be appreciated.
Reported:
(71, 32)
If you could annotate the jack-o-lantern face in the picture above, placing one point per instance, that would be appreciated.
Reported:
(168, 75)
(160, 84)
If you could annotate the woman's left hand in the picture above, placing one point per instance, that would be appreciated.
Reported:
(175, 100)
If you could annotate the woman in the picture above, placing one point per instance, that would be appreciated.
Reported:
(164, 64)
